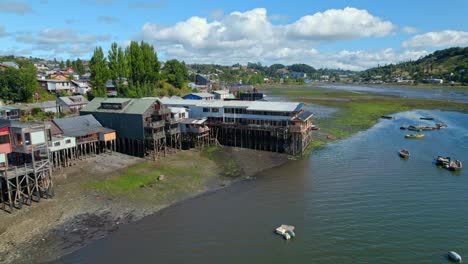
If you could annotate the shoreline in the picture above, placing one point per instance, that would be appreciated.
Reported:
(79, 214)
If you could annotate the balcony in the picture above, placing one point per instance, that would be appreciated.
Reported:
(155, 124)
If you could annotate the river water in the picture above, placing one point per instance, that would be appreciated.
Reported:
(442, 93)
(354, 201)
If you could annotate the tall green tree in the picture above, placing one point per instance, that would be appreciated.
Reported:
(78, 66)
(118, 68)
(136, 68)
(99, 73)
(175, 73)
(68, 63)
(18, 85)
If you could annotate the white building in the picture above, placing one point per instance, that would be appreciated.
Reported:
(54, 86)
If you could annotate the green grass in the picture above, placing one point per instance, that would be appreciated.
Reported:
(229, 166)
(356, 111)
(141, 181)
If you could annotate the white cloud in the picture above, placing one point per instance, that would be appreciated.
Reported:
(339, 24)
(446, 38)
(410, 30)
(13, 6)
(277, 17)
(251, 36)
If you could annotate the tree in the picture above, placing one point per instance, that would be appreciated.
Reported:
(78, 66)
(118, 68)
(61, 65)
(20, 84)
(136, 67)
(99, 73)
(175, 73)
(68, 63)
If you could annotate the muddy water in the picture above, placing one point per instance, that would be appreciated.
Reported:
(354, 201)
(443, 93)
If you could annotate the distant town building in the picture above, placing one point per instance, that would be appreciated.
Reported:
(198, 96)
(8, 64)
(434, 80)
(296, 75)
(9, 113)
(71, 103)
(221, 94)
(55, 86)
(201, 79)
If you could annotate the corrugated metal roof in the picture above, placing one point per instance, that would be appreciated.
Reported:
(80, 126)
(196, 121)
(202, 95)
(135, 106)
(73, 100)
(305, 115)
(249, 105)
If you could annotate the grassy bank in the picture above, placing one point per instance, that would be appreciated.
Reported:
(162, 181)
(357, 111)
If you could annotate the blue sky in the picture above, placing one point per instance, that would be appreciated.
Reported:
(353, 34)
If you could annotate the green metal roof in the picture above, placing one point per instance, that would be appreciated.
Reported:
(134, 106)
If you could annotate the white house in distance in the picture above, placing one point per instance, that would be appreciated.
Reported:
(54, 86)
(221, 94)
(80, 87)
(71, 103)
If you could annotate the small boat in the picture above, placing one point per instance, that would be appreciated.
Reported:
(426, 118)
(443, 161)
(441, 125)
(455, 165)
(452, 255)
(414, 128)
(286, 231)
(403, 128)
(427, 128)
(414, 136)
(404, 153)
(387, 117)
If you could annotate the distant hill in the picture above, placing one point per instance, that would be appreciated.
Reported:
(448, 64)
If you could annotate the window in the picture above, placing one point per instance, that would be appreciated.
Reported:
(67, 141)
(206, 110)
(214, 110)
(56, 144)
(5, 139)
(19, 139)
(27, 139)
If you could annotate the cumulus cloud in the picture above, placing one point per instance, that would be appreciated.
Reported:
(444, 38)
(277, 17)
(251, 36)
(107, 19)
(339, 24)
(17, 7)
(410, 30)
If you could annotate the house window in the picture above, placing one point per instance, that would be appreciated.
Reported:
(56, 144)
(27, 139)
(206, 110)
(67, 141)
(5, 139)
(214, 110)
